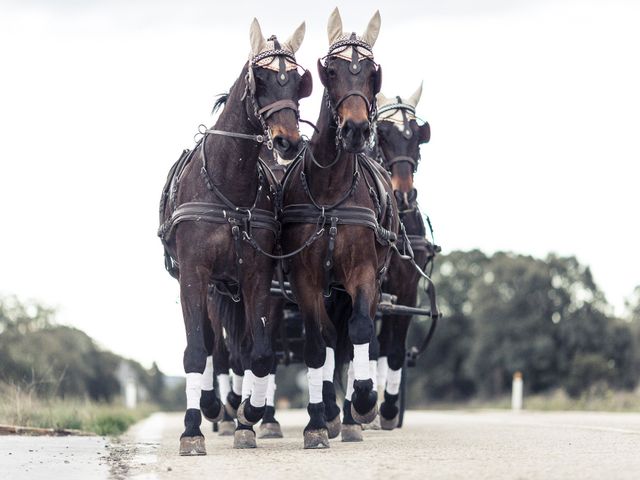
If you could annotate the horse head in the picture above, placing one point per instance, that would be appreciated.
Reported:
(351, 79)
(399, 137)
(275, 87)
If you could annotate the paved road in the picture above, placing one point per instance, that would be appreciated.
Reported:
(432, 445)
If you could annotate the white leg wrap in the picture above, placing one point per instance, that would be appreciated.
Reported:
(194, 384)
(393, 381)
(350, 379)
(259, 390)
(271, 390)
(329, 365)
(237, 384)
(383, 368)
(373, 371)
(223, 386)
(207, 376)
(314, 377)
(247, 384)
(361, 361)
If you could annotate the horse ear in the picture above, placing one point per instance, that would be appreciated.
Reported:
(415, 98)
(334, 27)
(377, 80)
(381, 99)
(424, 133)
(306, 85)
(256, 38)
(322, 73)
(295, 40)
(370, 35)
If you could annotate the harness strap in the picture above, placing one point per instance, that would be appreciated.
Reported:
(276, 106)
(328, 261)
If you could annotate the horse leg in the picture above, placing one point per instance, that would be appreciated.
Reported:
(331, 408)
(193, 296)
(364, 399)
(256, 297)
(374, 354)
(210, 405)
(221, 365)
(389, 413)
(351, 430)
(384, 340)
(311, 304)
(270, 427)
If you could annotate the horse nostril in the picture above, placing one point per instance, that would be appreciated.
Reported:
(282, 143)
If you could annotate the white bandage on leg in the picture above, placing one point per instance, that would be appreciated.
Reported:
(247, 384)
(223, 387)
(314, 377)
(194, 384)
(329, 365)
(361, 361)
(237, 384)
(350, 379)
(207, 376)
(393, 381)
(271, 390)
(373, 371)
(383, 368)
(259, 390)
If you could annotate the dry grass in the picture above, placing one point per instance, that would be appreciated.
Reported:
(18, 407)
(610, 401)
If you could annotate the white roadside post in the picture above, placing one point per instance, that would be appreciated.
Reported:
(130, 394)
(516, 392)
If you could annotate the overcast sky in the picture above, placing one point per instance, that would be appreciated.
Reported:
(534, 109)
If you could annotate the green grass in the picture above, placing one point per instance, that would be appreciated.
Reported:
(27, 410)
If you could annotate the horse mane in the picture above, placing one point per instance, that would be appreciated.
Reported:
(221, 100)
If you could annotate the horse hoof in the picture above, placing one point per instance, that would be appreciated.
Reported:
(374, 425)
(192, 446)
(389, 424)
(242, 417)
(334, 427)
(215, 419)
(244, 439)
(316, 438)
(270, 430)
(367, 417)
(226, 428)
(351, 433)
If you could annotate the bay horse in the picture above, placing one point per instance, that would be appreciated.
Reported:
(340, 214)
(216, 197)
(398, 140)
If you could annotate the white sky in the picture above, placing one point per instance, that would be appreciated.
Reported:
(534, 108)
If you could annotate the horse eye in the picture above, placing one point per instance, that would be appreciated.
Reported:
(331, 72)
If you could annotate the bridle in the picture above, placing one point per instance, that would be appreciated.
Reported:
(407, 133)
(354, 68)
(263, 113)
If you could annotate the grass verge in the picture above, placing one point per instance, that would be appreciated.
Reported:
(24, 409)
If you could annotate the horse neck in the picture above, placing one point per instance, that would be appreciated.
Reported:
(231, 162)
(323, 146)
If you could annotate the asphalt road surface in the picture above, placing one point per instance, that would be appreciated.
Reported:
(443, 444)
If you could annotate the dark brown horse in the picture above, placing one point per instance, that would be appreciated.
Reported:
(217, 196)
(340, 204)
(398, 140)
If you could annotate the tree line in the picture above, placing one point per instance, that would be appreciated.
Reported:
(546, 318)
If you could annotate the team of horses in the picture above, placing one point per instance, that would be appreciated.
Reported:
(340, 222)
